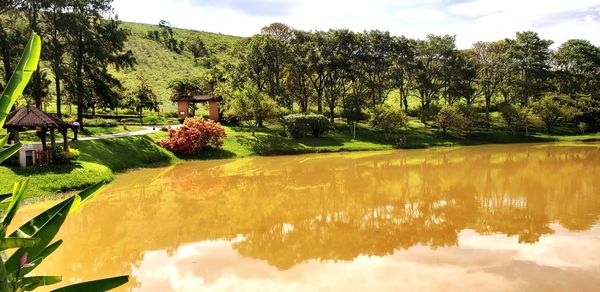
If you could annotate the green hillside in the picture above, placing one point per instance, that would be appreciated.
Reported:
(161, 65)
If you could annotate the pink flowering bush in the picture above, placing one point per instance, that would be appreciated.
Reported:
(194, 135)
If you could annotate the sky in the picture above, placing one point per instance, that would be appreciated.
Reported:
(470, 20)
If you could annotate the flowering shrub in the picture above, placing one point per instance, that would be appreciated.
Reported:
(194, 135)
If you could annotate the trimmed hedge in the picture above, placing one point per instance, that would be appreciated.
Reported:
(299, 125)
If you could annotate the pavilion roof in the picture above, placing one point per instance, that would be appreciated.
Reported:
(29, 116)
(195, 98)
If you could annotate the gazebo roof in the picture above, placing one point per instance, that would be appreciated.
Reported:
(195, 98)
(28, 116)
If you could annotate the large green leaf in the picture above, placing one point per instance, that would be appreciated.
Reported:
(86, 196)
(97, 285)
(16, 242)
(5, 198)
(17, 195)
(3, 141)
(20, 77)
(32, 226)
(30, 283)
(10, 151)
(40, 258)
(46, 233)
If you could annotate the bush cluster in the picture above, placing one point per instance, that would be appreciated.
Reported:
(195, 134)
(62, 156)
(103, 123)
(299, 125)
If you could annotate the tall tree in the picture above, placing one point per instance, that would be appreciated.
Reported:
(578, 66)
(493, 68)
(56, 23)
(374, 63)
(531, 56)
(433, 58)
(341, 47)
(143, 98)
(403, 54)
(94, 43)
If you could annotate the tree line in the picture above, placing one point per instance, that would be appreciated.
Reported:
(82, 40)
(346, 74)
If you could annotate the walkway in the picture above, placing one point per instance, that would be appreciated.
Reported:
(147, 130)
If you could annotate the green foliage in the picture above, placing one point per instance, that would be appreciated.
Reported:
(251, 105)
(102, 123)
(299, 125)
(388, 119)
(552, 109)
(68, 156)
(516, 117)
(166, 36)
(450, 117)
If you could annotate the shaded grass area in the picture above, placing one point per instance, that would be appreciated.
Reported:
(54, 179)
(119, 154)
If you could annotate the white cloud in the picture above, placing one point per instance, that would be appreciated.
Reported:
(470, 21)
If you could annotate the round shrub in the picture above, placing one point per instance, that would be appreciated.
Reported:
(298, 125)
(65, 157)
(388, 119)
(194, 135)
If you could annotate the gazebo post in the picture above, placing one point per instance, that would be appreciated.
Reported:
(15, 132)
(43, 137)
(65, 139)
(53, 139)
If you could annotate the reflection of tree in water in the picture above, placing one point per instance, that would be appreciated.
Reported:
(289, 210)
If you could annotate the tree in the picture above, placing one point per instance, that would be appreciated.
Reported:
(492, 69)
(388, 119)
(449, 117)
(403, 54)
(298, 80)
(166, 35)
(553, 110)
(531, 56)
(373, 66)
(94, 43)
(341, 46)
(197, 47)
(56, 22)
(516, 117)
(143, 98)
(263, 62)
(252, 106)
(280, 30)
(432, 60)
(578, 68)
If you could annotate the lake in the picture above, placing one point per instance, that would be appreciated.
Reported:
(493, 218)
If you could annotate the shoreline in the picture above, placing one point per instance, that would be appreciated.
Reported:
(111, 157)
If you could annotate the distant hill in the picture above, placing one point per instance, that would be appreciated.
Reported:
(161, 65)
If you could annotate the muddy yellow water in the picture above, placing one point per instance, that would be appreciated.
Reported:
(492, 218)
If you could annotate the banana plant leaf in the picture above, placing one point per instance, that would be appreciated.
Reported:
(20, 77)
(97, 285)
(45, 233)
(30, 283)
(86, 196)
(17, 195)
(4, 198)
(40, 258)
(3, 141)
(10, 151)
(15, 242)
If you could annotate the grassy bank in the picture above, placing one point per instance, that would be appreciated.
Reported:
(102, 159)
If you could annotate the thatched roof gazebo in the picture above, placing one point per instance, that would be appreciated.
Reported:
(29, 117)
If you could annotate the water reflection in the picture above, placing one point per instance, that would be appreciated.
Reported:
(299, 218)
